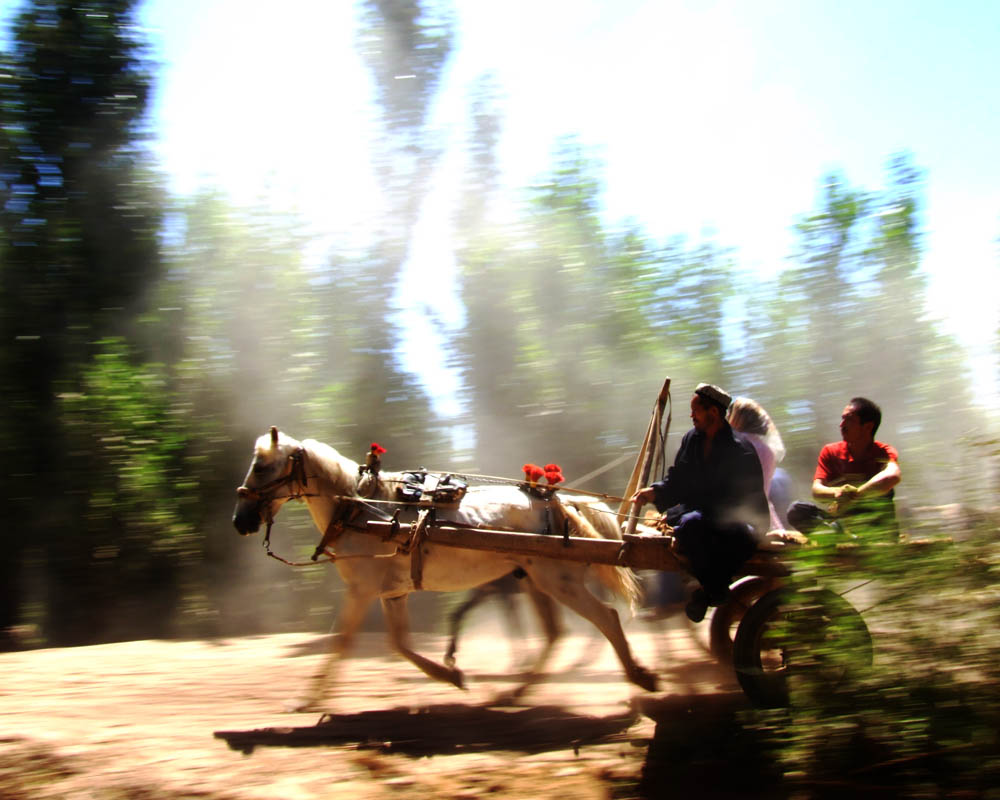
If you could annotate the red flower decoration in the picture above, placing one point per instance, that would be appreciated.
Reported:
(553, 474)
(533, 472)
(377, 449)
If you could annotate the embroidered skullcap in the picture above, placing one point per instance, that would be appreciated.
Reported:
(714, 394)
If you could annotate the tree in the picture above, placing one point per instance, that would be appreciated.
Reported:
(571, 326)
(406, 46)
(848, 317)
(80, 218)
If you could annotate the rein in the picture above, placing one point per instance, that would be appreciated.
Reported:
(339, 522)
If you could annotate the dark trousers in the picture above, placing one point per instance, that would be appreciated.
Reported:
(716, 552)
(806, 517)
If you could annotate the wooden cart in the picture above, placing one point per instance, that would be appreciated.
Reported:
(773, 628)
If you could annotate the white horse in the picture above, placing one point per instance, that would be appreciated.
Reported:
(284, 468)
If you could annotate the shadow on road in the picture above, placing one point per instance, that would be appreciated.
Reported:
(442, 729)
(702, 748)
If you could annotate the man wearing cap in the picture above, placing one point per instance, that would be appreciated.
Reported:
(715, 495)
(854, 478)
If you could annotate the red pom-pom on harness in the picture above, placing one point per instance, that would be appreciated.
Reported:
(533, 472)
(553, 474)
(377, 449)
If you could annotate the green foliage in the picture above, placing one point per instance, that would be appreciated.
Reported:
(123, 418)
(79, 219)
(923, 720)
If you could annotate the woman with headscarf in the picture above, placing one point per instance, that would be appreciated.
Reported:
(749, 418)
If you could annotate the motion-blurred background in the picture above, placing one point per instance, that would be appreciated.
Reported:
(479, 236)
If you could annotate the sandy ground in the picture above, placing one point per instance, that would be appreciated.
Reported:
(205, 719)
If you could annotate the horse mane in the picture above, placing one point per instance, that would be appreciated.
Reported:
(330, 465)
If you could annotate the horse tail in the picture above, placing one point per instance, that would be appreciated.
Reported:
(622, 581)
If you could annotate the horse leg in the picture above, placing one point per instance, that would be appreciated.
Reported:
(565, 583)
(352, 615)
(473, 599)
(548, 616)
(398, 620)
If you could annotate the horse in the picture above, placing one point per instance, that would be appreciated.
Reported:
(340, 499)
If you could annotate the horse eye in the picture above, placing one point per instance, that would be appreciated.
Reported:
(259, 468)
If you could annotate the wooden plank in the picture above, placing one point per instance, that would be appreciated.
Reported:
(637, 552)
(628, 511)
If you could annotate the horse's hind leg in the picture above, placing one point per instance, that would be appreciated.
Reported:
(352, 615)
(473, 599)
(548, 616)
(565, 582)
(398, 620)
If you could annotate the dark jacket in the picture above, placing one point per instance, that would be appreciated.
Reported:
(728, 488)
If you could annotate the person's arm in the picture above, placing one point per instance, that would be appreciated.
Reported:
(878, 484)
(823, 492)
(667, 492)
(881, 482)
(643, 496)
(824, 488)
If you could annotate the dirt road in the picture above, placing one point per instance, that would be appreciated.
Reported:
(204, 719)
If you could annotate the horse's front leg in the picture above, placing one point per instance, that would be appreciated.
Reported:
(397, 618)
(352, 615)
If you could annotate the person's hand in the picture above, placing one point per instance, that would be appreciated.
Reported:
(842, 498)
(846, 492)
(644, 496)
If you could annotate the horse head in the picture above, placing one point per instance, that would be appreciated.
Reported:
(276, 475)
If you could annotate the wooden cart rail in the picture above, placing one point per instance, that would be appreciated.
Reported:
(634, 551)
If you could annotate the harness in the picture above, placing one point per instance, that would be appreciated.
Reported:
(298, 481)
(419, 490)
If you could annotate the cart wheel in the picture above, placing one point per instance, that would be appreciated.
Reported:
(742, 595)
(799, 644)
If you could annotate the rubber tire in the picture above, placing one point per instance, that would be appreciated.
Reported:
(819, 611)
(742, 595)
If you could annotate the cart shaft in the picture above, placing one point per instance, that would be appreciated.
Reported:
(634, 551)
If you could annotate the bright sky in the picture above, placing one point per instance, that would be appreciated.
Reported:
(710, 116)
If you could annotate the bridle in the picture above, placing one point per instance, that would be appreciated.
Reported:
(265, 495)
(269, 491)
(298, 482)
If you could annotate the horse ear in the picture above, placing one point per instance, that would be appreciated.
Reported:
(274, 436)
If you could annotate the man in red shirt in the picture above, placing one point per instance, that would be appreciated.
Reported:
(855, 477)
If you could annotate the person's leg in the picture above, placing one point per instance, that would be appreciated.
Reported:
(693, 543)
(806, 517)
(731, 546)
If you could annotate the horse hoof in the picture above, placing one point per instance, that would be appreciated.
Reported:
(449, 661)
(512, 697)
(504, 699)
